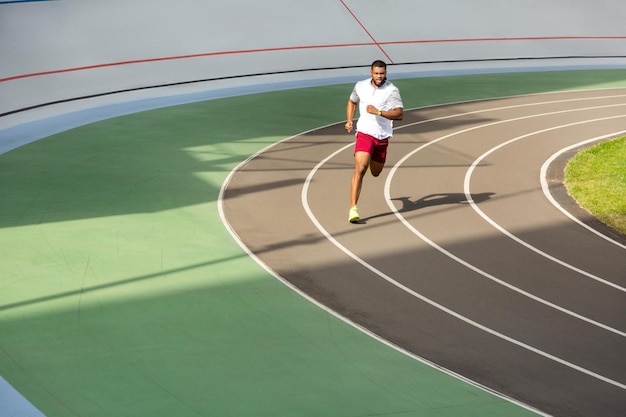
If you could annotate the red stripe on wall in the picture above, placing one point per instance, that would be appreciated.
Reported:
(249, 51)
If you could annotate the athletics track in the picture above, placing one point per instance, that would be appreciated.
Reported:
(161, 313)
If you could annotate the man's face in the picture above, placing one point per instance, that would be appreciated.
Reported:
(378, 75)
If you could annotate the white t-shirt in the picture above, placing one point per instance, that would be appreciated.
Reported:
(386, 97)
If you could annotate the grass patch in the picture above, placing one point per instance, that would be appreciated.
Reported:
(596, 178)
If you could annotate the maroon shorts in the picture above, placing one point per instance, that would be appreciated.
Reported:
(375, 147)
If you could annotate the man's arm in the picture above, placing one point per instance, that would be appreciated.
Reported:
(350, 111)
(397, 109)
(393, 114)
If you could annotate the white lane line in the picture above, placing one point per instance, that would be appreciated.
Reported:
(510, 235)
(389, 279)
(456, 133)
(546, 188)
(253, 256)
(468, 197)
(419, 296)
(515, 106)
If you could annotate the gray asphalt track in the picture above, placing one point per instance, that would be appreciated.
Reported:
(460, 257)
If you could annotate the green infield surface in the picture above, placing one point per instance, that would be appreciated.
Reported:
(123, 294)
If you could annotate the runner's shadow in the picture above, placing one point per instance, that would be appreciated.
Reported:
(432, 200)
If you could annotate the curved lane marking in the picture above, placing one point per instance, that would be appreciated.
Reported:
(253, 256)
(423, 298)
(394, 169)
(387, 278)
(510, 235)
(515, 106)
(546, 188)
(468, 197)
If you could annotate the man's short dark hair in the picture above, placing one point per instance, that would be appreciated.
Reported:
(379, 64)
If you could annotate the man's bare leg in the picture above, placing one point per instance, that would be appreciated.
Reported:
(376, 167)
(361, 162)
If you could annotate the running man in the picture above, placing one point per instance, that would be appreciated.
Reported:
(379, 104)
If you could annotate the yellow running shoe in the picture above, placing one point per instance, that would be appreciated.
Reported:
(353, 216)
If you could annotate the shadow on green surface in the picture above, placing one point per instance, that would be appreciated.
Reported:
(168, 158)
(180, 337)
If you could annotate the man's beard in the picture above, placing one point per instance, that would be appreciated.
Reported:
(381, 83)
